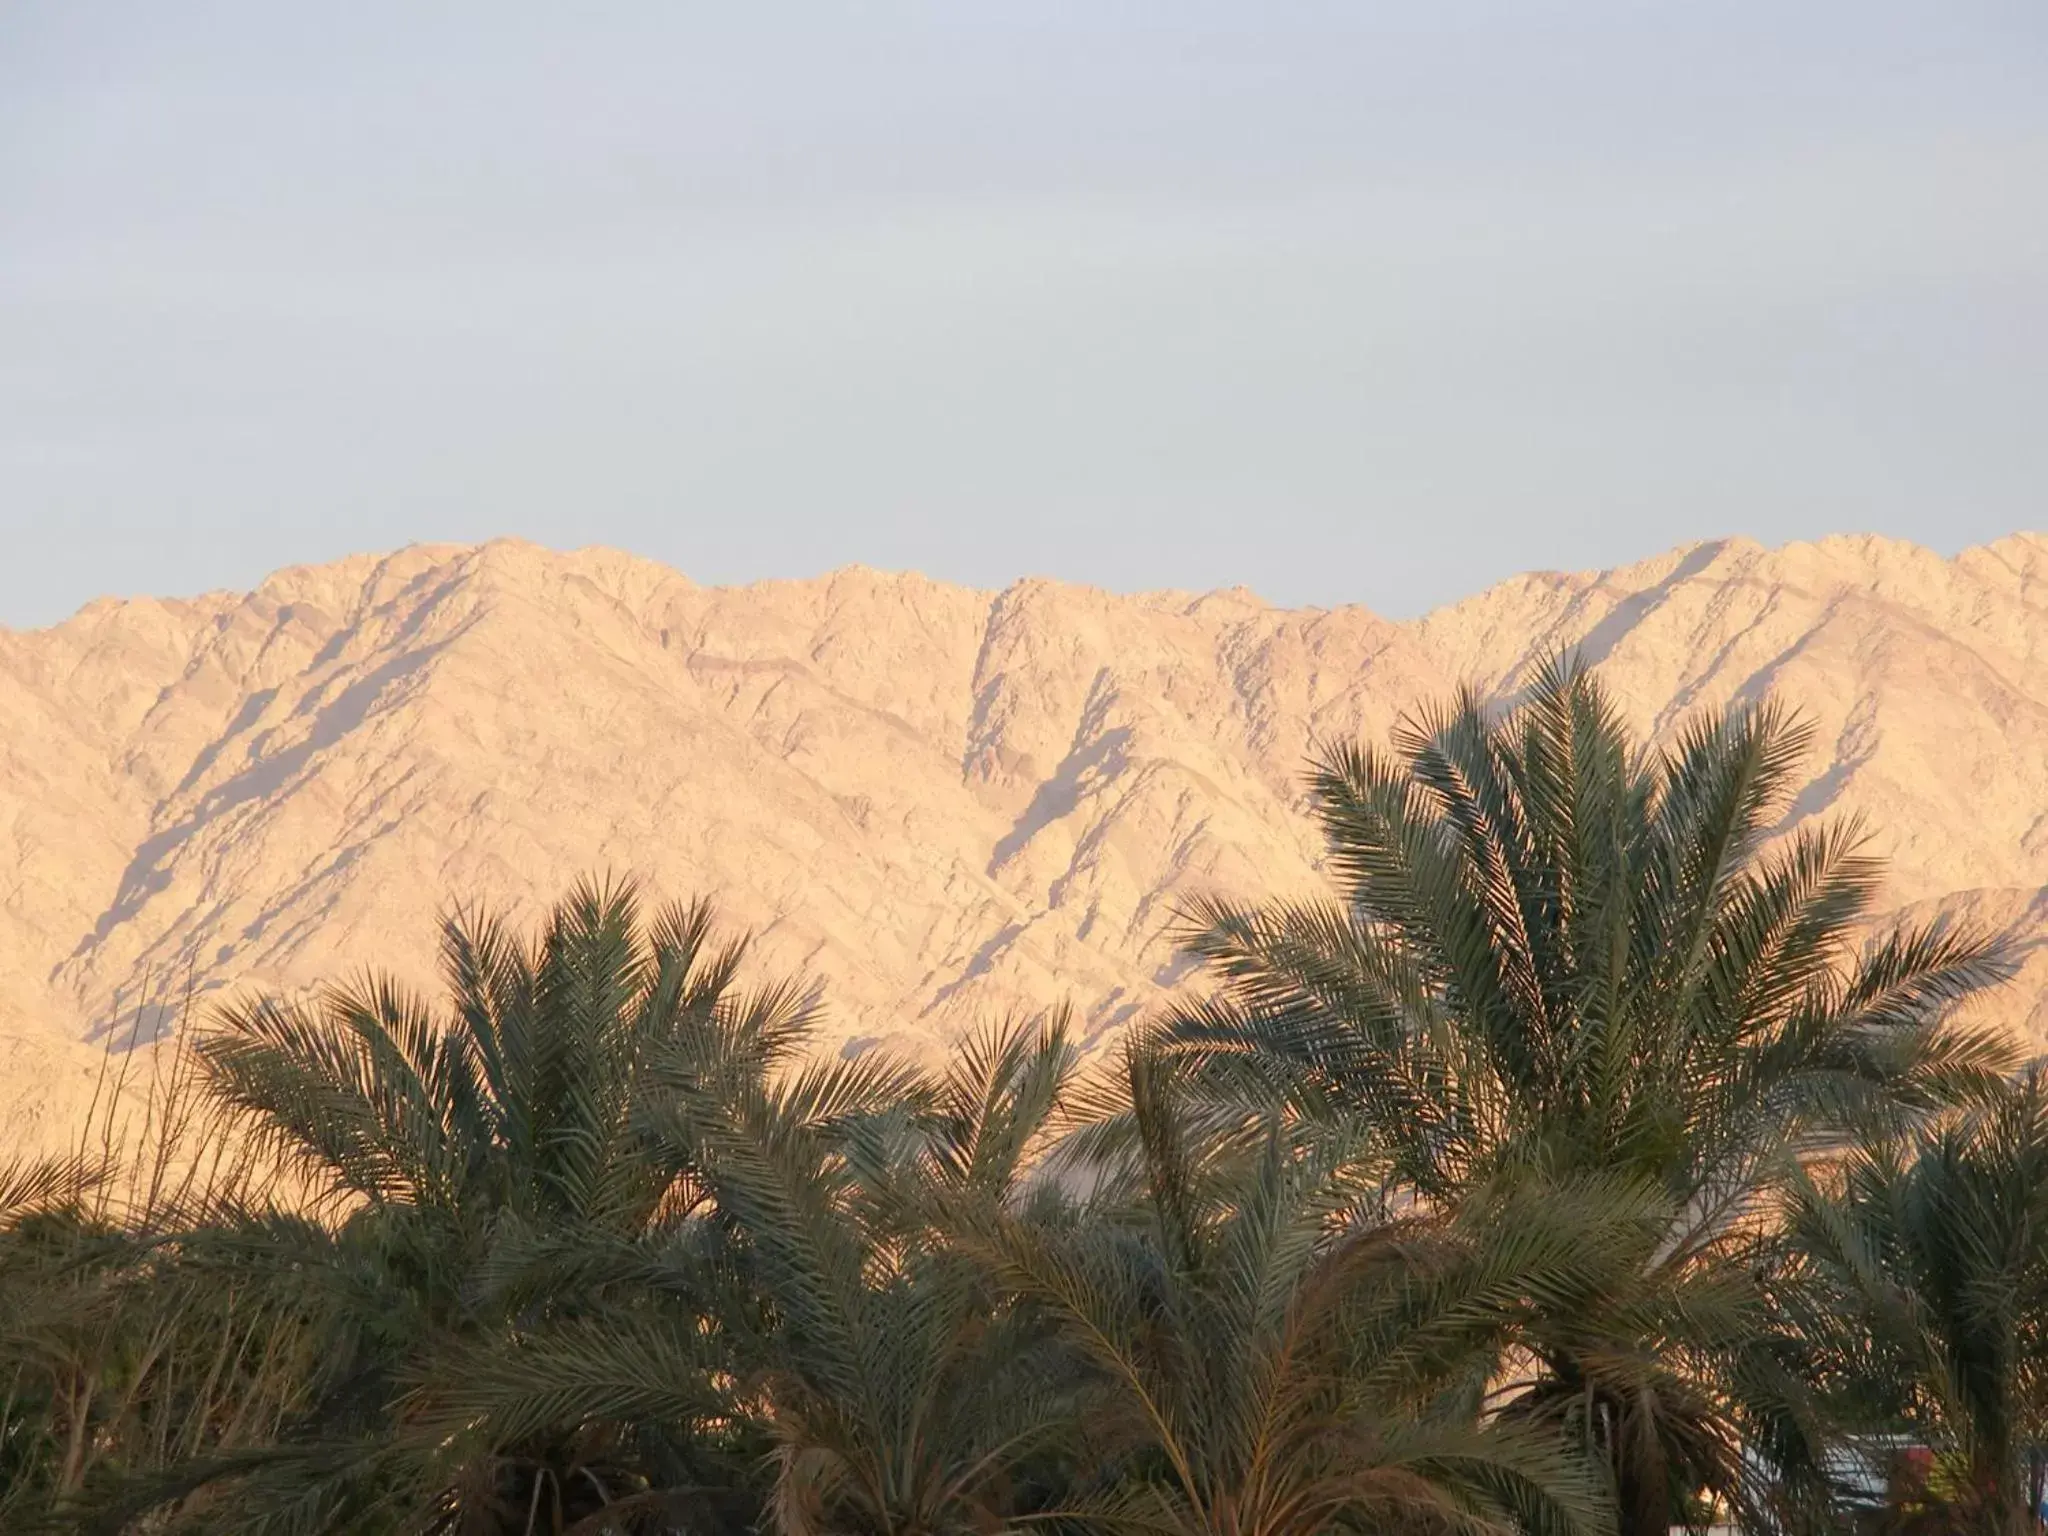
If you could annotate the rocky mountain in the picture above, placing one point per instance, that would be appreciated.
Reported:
(946, 802)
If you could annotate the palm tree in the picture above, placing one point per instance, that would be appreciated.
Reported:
(902, 1391)
(469, 1169)
(1557, 952)
(1273, 1355)
(1932, 1259)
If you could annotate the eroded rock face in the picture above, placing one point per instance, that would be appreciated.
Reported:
(946, 802)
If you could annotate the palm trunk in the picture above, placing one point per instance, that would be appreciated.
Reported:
(2010, 1514)
(1642, 1514)
(2004, 1499)
(78, 1403)
(1642, 1495)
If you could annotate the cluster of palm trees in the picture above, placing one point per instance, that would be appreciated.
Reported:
(1584, 1164)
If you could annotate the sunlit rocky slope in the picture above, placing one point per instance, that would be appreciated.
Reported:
(946, 802)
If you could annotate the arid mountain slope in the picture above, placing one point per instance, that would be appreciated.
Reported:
(945, 801)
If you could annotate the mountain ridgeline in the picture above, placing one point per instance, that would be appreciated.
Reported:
(945, 803)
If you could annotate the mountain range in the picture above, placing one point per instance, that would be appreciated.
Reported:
(944, 802)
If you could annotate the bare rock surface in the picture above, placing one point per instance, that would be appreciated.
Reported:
(946, 802)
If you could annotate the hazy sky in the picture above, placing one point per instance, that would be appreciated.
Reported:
(1373, 302)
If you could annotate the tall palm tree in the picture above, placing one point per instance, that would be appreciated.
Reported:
(470, 1164)
(1933, 1263)
(1273, 1355)
(1553, 949)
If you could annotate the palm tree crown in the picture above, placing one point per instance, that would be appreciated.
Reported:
(1277, 1357)
(1556, 951)
(1933, 1267)
(479, 1160)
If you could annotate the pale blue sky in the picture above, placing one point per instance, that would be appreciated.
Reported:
(1370, 302)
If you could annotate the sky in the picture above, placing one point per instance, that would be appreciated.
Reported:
(1367, 302)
